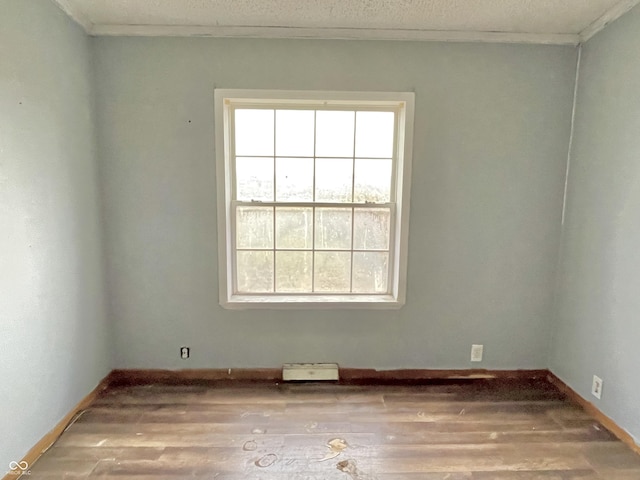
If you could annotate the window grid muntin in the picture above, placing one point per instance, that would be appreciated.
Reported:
(395, 109)
(390, 207)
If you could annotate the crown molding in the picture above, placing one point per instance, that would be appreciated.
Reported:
(608, 17)
(73, 12)
(70, 8)
(331, 34)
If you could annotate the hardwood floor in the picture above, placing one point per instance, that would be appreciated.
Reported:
(478, 430)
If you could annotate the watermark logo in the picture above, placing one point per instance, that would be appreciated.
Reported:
(19, 468)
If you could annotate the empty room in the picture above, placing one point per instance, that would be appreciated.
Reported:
(320, 239)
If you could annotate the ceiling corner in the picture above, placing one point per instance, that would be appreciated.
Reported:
(610, 16)
(75, 14)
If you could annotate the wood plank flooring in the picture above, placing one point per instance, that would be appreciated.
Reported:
(471, 430)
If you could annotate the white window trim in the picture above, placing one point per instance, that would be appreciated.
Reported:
(400, 235)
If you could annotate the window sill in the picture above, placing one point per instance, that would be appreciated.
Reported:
(312, 302)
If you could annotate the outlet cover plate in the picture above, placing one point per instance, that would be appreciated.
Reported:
(596, 387)
(476, 353)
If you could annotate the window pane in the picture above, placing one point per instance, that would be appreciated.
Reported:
(371, 228)
(254, 179)
(254, 271)
(334, 179)
(254, 227)
(374, 134)
(294, 227)
(372, 181)
(333, 228)
(294, 179)
(254, 132)
(294, 133)
(332, 272)
(370, 272)
(293, 271)
(334, 133)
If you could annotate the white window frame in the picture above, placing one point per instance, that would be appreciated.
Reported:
(401, 175)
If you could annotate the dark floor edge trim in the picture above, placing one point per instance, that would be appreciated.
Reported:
(594, 411)
(417, 376)
(347, 376)
(127, 377)
(50, 438)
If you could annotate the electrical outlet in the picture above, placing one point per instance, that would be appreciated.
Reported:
(184, 352)
(476, 353)
(596, 387)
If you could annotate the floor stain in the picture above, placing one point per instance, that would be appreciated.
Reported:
(337, 444)
(257, 414)
(336, 447)
(249, 446)
(258, 431)
(350, 468)
(266, 461)
(329, 456)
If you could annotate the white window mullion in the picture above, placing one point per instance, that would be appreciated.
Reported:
(275, 189)
(394, 159)
(274, 249)
(391, 262)
(353, 192)
(234, 260)
(313, 215)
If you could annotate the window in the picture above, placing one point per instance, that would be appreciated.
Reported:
(313, 198)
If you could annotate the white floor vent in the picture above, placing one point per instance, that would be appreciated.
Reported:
(299, 372)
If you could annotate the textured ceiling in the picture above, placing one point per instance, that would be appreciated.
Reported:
(541, 17)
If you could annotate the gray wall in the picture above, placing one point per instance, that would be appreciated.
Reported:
(53, 333)
(492, 128)
(598, 328)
